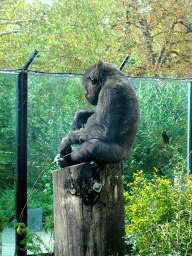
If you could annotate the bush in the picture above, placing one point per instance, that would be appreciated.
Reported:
(31, 240)
(2, 220)
(163, 107)
(7, 207)
(159, 216)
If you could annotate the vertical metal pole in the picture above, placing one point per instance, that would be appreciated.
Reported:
(124, 62)
(21, 189)
(21, 185)
(189, 137)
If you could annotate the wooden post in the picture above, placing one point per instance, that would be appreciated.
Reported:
(88, 210)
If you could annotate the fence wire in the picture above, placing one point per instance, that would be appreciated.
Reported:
(186, 79)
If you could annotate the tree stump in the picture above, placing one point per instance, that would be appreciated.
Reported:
(88, 210)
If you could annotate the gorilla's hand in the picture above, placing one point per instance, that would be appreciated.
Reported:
(60, 160)
(78, 121)
(65, 146)
(80, 118)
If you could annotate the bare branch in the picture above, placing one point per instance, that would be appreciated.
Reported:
(162, 32)
(164, 60)
(181, 41)
(4, 18)
(160, 55)
(9, 32)
(20, 21)
(182, 23)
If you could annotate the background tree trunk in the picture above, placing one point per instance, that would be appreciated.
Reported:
(88, 210)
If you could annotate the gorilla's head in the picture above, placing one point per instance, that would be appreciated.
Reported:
(94, 78)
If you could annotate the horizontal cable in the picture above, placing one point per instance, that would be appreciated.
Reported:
(186, 79)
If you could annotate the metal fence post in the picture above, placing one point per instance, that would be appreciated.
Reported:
(21, 181)
(21, 189)
(189, 142)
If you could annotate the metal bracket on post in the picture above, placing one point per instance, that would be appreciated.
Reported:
(124, 62)
(21, 183)
(30, 60)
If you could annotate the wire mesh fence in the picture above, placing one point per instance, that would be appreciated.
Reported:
(53, 98)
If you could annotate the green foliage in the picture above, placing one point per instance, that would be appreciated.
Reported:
(159, 216)
(49, 222)
(32, 242)
(52, 103)
(157, 35)
(163, 107)
(7, 130)
(70, 35)
(7, 206)
(42, 199)
(3, 220)
(38, 199)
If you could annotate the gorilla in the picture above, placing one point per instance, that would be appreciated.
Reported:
(106, 133)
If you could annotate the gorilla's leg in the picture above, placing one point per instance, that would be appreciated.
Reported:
(93, 150)
(98, 151)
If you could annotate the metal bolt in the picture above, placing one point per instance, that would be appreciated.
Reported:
(97, 187)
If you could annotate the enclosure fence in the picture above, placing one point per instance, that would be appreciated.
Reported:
(37, 109)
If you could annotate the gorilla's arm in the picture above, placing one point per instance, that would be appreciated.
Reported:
(103, 124)
(81, 117)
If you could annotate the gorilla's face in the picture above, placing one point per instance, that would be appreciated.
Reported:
(91, 85)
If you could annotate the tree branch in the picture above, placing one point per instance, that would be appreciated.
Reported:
(181, 41)
(20, 21)
(4, 18)
(164, 60)
(9, 32)
(182, 23)
(145, 31)
(160, 55)
(162, 32)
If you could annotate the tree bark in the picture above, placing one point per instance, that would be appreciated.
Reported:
(88, 210)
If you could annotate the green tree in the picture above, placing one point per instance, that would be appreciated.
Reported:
(70, 35)
(7, 131)
(163, 108)
(158, 35)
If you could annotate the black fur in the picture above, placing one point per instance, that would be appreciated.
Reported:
(111, 127)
